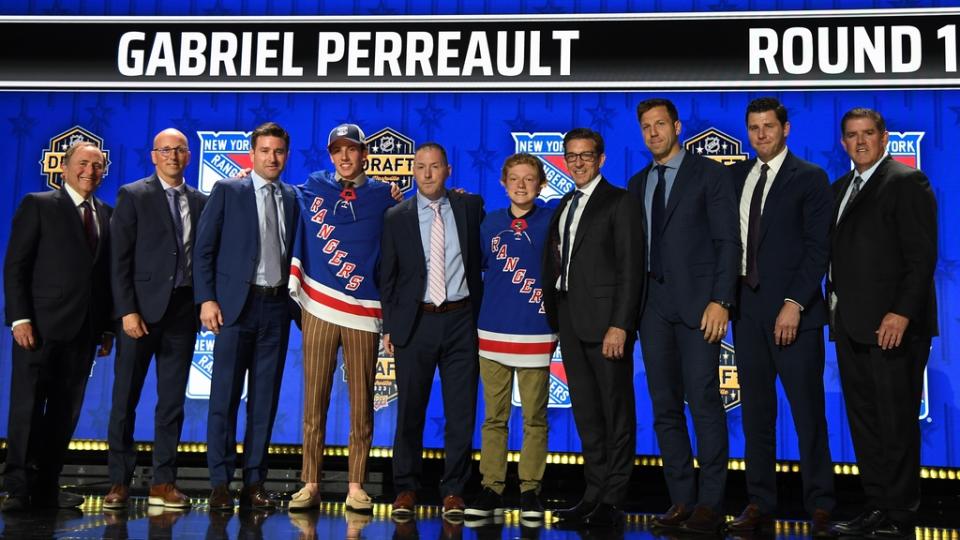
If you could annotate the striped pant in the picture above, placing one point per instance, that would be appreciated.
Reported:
(321, 339)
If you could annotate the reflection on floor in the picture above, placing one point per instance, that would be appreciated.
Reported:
(330, 521)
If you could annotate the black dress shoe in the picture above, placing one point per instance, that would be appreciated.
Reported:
(673, 518)
(605, 516)
(891, 530)
(575, 514)
(861, 524)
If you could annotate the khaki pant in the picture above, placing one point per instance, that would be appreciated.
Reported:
(321, 339)
(497, 385)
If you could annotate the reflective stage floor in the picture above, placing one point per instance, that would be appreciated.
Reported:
(329, 522)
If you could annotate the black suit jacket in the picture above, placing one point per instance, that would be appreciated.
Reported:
(144, 247)
(403, 267)
(794, 241)
(885, 252)
(701, 235)
(606, 279)
(50, 275)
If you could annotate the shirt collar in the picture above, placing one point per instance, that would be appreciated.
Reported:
(166, 184)
(869, 172)
(674, 162)
(774, 163)
(423, 202)
(259, 182)
(358, 181)
(74, 196)
(587, 190)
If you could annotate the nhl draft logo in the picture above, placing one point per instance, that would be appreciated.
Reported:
(201, 368)
(729, 382)
(548, 148)
(385, 381)
(716, 145)
(559, 396)
(905, 147)
(390, 158)
(222, 155)
(51, 160)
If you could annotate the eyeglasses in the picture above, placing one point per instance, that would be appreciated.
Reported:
(587, 157)
(166, 150)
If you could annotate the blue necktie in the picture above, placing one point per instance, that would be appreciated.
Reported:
(173, 198)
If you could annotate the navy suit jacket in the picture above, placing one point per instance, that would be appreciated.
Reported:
(227, 246)
(403, 267)
(145, 248)
(885, 252)
(794, 241)
(701, 235)
(50, 275)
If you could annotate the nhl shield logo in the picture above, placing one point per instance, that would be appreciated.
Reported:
(559, 396)
(905, 147)
(222, 155)
(729, 381)
(390, 158)
(385, 381)
(52, 158)
(548, 148)
(716, 145)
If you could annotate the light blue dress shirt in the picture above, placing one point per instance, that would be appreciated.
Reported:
(261, 191)
(669, 175)
(453, 265)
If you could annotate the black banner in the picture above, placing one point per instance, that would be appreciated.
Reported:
(903, 48)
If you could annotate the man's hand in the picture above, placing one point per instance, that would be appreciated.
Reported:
(387, 344)
(395, 192)
(788, 321)
(134, 326)
(714, 322)
(613, 343)
(25, 337)
(244, 173)
(106, 345)
(210, 316)
(891, 330)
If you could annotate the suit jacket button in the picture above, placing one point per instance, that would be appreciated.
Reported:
(170, 278)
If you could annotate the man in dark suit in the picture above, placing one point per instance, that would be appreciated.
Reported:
(689, 206)
(152, 231)
(593, 288)
(430, 290)
(785, 211)
(241, 265)
(883, 318)
(57, 290)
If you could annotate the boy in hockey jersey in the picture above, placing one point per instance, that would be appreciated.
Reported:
(332, 277)
(514, 338)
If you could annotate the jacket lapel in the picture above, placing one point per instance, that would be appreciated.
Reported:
(73, 218)
(688, 169)
(104, 222)
(411, 217)
(865, 191)
(786, 173)
(160, 200)
(289, 199)
(248, 200)
(459, 208)
(193, 198)
(595, 203)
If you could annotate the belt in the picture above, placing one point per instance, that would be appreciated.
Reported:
(446, 306)
(267, 291)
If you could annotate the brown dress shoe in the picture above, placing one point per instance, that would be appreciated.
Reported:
(405, 502)
(750, 520)
(117, 498)
(453, 505)
(820, 524)
(221, 499)
(254, 496)
(167, 495)
(673, 518)
(703, 520)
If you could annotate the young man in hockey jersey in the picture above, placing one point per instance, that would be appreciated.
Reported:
(514, 338)
(335, 256)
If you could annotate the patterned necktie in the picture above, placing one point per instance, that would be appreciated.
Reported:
(659, 208)
(567, 223)
(753, 228)
(854, 190)
(173, 198)
(270, 240)
(89, 228)
(437, 281)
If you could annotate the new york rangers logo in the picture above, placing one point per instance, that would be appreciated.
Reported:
(222, 155)
(905, 147)
(201, 368)
(559, 396)
(548, 148)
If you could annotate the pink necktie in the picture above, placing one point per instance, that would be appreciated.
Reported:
(437, 281)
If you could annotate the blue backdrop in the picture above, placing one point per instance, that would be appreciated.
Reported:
(479, 130)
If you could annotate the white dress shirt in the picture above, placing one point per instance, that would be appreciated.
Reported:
(748, 188)
(586, 191)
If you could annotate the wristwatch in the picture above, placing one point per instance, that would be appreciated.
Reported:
(724, 305)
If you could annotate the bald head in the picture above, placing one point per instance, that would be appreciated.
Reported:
(170, 154)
